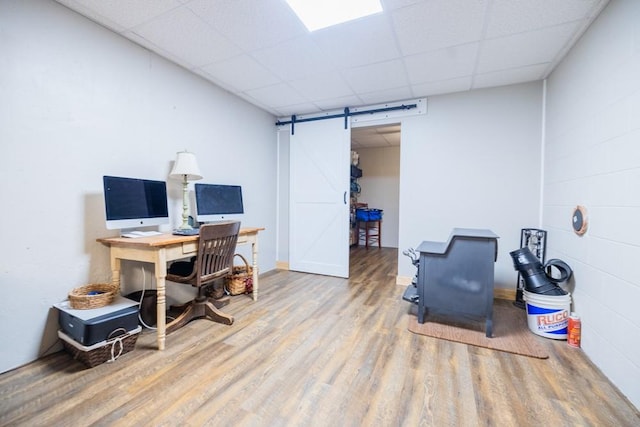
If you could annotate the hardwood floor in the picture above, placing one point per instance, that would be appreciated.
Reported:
(315, 351)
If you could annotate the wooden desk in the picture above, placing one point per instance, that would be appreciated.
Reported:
(158, 250)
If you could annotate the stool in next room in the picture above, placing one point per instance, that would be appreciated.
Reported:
(369, 226)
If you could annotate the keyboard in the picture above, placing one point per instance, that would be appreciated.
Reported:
(186, 232)
(137, 234)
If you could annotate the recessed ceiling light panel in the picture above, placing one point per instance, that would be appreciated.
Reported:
(318, 14)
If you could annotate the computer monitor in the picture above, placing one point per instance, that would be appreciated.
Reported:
(134, 202)
(216, 202)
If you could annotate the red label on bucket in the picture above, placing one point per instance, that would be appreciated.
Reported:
(552, 319)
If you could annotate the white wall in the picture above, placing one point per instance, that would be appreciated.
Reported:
(593, 159)
(474, 162)
(79, 102)
(380, 184)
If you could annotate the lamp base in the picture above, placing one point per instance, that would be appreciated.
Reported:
(185, 205)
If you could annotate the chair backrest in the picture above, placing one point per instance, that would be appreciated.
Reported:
(216, 247)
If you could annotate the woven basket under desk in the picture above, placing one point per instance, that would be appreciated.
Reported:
(105, 351)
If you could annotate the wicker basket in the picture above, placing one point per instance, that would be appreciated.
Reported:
(241, 279)
(94, 295)
(105, 351)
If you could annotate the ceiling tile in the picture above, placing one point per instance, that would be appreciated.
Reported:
(514, 75)
(388, 129)
(383, 96)
(393, 139)
(359, 42)
(339, 103)
(376, 77)
(241, 73)
(370, 140)
(250, 24)
(295, 59)
(518, 16)
(441, 87)
(187, 37)
(507, 52)
(125, 13)
(375, 136)
(91, 14)
(277, 95)
(398, 4)
(457, 61)
(322, 86)
(436, 24)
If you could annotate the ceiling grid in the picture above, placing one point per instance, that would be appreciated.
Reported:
(260, 51)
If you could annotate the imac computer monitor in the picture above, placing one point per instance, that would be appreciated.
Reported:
(132, 202)
(216, 202)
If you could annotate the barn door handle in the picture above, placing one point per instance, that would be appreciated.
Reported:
(345, 197)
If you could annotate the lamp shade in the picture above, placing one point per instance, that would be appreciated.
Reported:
(186, 165)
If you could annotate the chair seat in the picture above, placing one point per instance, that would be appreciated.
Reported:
(181, 268)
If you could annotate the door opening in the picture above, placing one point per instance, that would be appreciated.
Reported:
(375, 151)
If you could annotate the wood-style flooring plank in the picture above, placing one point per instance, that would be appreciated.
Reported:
(315, 351)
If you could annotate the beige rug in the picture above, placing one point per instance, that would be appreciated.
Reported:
(510, 331)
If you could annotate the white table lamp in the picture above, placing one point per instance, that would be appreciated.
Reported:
(185, 168)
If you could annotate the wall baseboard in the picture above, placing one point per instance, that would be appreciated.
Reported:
(498, 293)
(403, 280)
(502, 293)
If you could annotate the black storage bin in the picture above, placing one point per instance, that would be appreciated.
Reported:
(148, 308)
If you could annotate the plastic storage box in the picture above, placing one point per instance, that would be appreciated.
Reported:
(364, 214)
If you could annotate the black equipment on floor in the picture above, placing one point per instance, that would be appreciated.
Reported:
(536, 280)
(536, 240)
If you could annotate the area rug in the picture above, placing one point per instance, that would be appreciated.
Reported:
(510, 331)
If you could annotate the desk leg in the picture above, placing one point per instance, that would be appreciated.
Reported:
(161, 274)
(254, 259)
(115, 271)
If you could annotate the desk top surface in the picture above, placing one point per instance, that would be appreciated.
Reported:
(164, 239)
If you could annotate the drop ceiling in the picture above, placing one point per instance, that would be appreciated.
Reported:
(260, 51)
(375, 136)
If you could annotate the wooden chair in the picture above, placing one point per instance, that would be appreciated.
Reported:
(216, 247)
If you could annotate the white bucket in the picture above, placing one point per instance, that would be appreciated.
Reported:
(548, 315)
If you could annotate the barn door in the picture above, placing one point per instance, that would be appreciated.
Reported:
(319, 198)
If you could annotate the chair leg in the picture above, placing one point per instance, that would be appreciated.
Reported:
(212, 312)
(185, 317)
(198, 310)
(220, 302)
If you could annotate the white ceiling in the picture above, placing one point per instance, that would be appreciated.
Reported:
(260, 51)
(375, 136)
